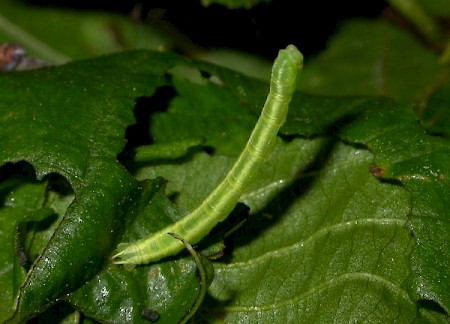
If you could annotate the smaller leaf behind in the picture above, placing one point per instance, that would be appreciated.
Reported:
(372, 58)
(85, 34)
(22, 205)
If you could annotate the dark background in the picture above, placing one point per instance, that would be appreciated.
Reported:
(262, 29)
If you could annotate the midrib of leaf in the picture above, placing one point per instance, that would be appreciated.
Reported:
(337, 281)
(323, 232)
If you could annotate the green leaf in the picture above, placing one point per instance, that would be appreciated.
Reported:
(372, 58)
(436, 115)
(242, 62)
(404, 152)
(86, 34)
(73, 123)
(28, 219)
(332, 212)
(439, 8)
(378, 212)
(21, 205)
(390, 130)
(167, 151)
(202, 110)
(282, 168)
(116, 295)
(341, 241)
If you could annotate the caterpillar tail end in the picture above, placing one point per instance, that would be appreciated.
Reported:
(124, 256)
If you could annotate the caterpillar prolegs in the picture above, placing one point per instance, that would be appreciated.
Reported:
(216, 207)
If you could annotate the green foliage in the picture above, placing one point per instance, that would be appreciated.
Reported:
(438, 7)
(60, 35)
(360, 60)
(348, 219)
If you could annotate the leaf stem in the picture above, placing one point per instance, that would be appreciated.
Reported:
(424, 23)
(202, 274)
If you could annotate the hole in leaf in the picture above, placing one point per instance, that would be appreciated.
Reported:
(13, 174)
(33, 207)
(138, 134)
(431, 305)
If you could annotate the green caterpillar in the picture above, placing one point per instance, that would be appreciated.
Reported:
(216, 207)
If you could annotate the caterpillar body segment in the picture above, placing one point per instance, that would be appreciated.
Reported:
(218, 205)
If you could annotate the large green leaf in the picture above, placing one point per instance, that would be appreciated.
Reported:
(332, 211)
(340, 240)
(405, 153)
(73, 123)
(337, 210)
(391, 132)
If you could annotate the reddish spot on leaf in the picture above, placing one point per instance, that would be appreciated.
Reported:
(376, 170)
